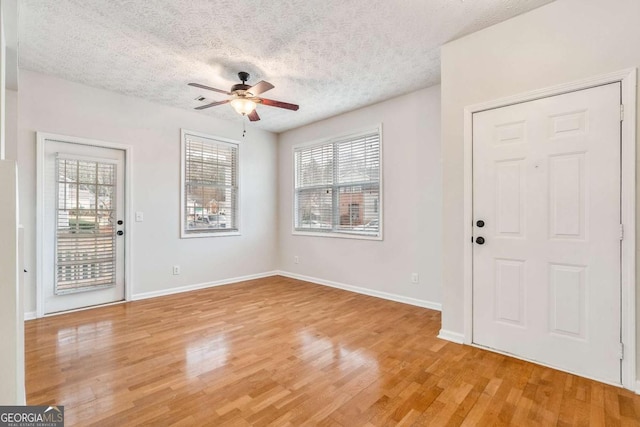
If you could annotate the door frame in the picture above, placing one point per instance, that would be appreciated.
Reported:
(41, 138)
(627, 78)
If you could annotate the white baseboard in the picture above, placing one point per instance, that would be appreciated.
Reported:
(378, 294)
(638, 387)
(451, 336)
(180, 289)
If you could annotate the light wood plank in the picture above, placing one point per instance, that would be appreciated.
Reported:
(278, 351)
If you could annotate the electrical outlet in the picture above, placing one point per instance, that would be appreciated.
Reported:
(415, 278)
(176, 270)
(296, 260)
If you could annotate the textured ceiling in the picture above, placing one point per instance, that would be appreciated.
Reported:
(329, 56)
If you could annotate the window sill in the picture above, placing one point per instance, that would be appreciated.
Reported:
(338, 235)
(216, 234)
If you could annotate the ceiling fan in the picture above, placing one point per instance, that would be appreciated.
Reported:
(244, 98)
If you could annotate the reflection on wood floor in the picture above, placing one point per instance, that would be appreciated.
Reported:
(284, 352)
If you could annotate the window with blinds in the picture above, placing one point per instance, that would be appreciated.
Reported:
(337, 186)
(210, 186)
(85, 226)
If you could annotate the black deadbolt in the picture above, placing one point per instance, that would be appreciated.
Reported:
(120, 233)
(480, 223)
(120, 222)
(480, 240)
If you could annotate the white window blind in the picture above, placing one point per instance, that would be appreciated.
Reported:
(210, 199)
(337, 186)
(85, 226)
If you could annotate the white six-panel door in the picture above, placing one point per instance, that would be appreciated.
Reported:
(546, 183)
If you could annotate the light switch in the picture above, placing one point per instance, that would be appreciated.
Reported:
(139, 216)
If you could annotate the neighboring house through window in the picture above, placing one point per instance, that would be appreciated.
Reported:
(209, 185)
(338, 186)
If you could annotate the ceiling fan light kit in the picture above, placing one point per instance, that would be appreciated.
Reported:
(244, 98)
(243, 106)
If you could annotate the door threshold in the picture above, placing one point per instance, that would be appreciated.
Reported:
(57, 313)
(546, 365)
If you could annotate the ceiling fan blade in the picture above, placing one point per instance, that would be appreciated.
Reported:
(279, 104)
(259, 88)
(213, 104)
(253, 116)
(209, 88)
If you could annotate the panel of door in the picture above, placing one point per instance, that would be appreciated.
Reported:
(83, 261)
(546, 184)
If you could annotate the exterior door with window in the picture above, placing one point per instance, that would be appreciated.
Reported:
(83, 228)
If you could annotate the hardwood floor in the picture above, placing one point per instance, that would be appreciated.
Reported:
(278, 351)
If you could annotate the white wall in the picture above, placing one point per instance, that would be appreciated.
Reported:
(560, 42)
(11, 312)
(412, 203)
(53, 105)
(11, 124)
(12, 389)
(3, 72)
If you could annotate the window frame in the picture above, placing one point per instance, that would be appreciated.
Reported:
(184, 233)
(336, 233)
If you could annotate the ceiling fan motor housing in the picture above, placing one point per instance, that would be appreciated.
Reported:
(239, 86)
(243, 76)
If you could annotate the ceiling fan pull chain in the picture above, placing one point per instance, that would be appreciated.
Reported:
(244, 126)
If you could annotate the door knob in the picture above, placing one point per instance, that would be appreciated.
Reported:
(480, 223)
(120, 233)
(480, 240)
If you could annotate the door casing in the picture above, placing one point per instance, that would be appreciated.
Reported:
(627, 78)
(41, 137)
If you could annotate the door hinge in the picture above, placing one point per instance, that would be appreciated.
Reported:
(621, 231)
(621, 353)
(621, 112)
